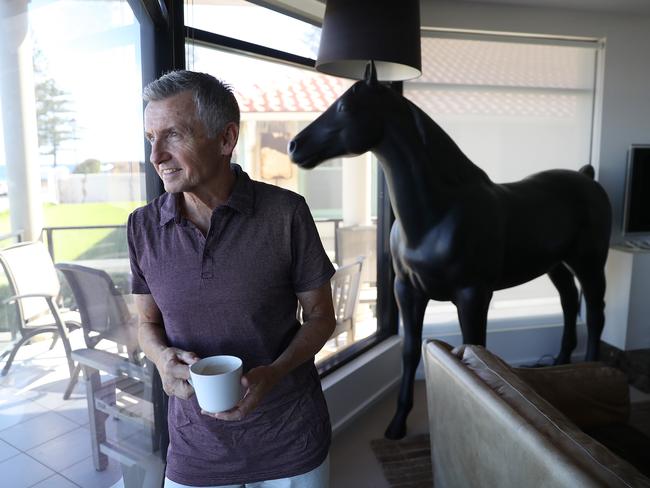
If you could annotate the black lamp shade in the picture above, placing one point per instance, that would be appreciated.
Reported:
(358, 31)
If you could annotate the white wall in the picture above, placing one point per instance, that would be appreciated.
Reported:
(626, 81)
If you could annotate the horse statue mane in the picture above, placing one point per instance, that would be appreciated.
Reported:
(426, 126)
(457, 235)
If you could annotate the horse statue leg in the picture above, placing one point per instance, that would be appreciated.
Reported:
(593, 285)
(412, 304)
(562, 279)
(472, 305)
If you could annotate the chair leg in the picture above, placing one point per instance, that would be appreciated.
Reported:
(61, 327)
(55, 339)
(73, 382)
(97, 419)
(26, 338)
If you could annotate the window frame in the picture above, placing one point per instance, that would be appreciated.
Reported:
(170, 54)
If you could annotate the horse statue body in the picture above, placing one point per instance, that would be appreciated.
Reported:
(457, 235)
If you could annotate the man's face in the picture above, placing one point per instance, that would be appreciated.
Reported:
(185, 158)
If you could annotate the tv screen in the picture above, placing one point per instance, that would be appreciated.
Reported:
(637, 191)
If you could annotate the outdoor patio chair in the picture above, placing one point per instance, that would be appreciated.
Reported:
(345, 294)
(118, 386)
(35, 287)
(104, 313)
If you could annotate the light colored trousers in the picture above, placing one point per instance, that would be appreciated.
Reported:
(316, 478)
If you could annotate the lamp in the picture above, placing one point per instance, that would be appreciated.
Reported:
(358, 31)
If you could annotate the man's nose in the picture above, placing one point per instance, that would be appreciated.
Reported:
(158, 153)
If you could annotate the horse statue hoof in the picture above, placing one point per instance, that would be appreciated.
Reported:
(562, 358)
(396, 430)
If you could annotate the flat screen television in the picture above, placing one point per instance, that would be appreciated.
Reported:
(636, 216)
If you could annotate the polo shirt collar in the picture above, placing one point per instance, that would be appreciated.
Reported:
(241, 199)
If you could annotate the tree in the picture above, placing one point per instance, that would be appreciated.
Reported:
(55, 123)
(88, 166)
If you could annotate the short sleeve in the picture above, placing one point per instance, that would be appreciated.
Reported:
(310, 265)
(138, 283)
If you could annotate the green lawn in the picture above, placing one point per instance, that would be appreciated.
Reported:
(79, 244)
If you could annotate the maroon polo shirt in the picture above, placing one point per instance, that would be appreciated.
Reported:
(234, 292)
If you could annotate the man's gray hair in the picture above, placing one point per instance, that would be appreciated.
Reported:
(215, 102)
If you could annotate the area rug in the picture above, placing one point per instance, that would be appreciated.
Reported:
(406, 463)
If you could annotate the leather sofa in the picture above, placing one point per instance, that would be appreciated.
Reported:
(495, 426)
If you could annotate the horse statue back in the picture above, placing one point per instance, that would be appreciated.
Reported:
(458, 236)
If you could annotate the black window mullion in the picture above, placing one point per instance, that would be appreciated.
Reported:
(226, 43)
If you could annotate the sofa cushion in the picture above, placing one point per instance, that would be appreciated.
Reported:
(489, 428)
(589, 394)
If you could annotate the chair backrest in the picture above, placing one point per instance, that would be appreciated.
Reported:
(104, 313)
(355, 241)
(345, 290)
(30, 270)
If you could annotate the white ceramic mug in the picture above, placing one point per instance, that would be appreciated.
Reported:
(217, 382)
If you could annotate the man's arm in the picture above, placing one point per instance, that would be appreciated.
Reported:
(312, 336)
(172, 363)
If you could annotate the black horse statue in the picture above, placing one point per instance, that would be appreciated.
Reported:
(458, 236)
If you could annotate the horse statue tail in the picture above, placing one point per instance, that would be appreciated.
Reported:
(588, 170)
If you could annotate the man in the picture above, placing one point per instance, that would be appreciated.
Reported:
(217, 263)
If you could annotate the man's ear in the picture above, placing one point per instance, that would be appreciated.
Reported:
(229, 138)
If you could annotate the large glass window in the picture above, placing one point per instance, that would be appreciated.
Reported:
(514, 108)
(71, 170)
(276, 102)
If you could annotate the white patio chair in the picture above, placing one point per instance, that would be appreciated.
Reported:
(345, 294)
(35, 287)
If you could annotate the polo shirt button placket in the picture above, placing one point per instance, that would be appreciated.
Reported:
(206, 267)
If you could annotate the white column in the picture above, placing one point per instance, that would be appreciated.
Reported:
(356, 190)
(19, 119)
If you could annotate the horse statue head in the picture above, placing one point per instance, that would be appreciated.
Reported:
(351, 126)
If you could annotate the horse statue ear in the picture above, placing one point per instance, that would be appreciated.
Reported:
(371, 73)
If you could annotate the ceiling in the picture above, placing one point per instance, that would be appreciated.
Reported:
(314, 10)
(614, 6)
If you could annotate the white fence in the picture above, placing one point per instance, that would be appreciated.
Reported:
(98, 187)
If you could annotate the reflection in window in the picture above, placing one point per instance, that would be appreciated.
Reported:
(277, 101)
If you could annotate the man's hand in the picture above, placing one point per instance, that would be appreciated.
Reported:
(258, 381)
(318, 327)
(174, 367)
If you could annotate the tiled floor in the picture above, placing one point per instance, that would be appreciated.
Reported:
(44, 439)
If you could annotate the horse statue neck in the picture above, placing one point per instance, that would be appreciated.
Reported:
(425, 169)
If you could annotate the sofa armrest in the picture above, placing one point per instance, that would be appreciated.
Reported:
(589, 394)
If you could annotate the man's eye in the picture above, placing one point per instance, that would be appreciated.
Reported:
(172, 133)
